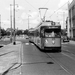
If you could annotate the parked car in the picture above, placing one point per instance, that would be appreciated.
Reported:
(65, 39)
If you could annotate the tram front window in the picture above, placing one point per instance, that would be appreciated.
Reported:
(52, 33)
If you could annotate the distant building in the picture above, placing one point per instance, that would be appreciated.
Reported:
(72, 19)
(9, 30)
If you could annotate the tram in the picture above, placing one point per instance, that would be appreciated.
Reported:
(47, 36)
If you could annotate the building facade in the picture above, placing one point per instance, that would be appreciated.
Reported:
(72, 19)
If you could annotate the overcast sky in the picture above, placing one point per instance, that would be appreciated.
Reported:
(31, 7)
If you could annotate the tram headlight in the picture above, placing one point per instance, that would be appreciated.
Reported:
(46, 41)
(53, 41)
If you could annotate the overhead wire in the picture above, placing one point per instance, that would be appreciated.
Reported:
(58, 9)
(44, 6)
(30, 4)
(46, 3)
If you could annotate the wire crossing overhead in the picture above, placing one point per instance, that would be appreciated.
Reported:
(46, 3)
(58, 9)
(31, 5)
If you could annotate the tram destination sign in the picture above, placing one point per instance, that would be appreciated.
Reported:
(54, 27)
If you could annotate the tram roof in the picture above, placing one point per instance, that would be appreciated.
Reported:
(45, 23)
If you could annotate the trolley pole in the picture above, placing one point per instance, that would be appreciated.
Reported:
(14, 42)
(43, 19)
(11, 21)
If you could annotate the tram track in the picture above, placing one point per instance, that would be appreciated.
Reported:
(69, 54)
(60, 64)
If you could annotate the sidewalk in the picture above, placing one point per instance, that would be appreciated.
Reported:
(10, 57)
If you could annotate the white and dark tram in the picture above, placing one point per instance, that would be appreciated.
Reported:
(47, 36)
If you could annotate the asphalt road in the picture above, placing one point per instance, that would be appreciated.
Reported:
(35, 62)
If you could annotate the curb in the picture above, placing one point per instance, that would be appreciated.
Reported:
(12, 67)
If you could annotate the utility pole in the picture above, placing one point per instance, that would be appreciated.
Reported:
(0, 26)
(57, 17)
(14, 42)
(11, 21)
(28, 21)
(68, 27)
(63, 20)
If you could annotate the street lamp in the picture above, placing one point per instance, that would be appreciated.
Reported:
(14, 43)
(28, 19)
(11, 21)
(63, 20)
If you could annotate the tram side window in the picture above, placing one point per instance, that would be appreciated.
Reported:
(42, 33)
(57, 32)
(36, 33)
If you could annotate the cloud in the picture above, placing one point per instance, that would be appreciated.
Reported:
(62, 2)
(16, 7)
(6, 22)
(32, 15)
(19, 8)
(34, 18)
(36, 21)
(24, 16)
(63, 11)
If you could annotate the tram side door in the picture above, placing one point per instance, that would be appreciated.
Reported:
(42, 39)
(42, 43)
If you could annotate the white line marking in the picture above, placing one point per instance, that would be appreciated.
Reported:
(62, 66)
(26, 43)
(20, 73)
(66, 50)
(64, 69)
(64, 43)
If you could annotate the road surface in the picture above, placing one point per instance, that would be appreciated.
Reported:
(36, 62)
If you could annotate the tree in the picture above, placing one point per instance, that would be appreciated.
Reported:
(26, 32)
(3, 32)
(19, 32)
